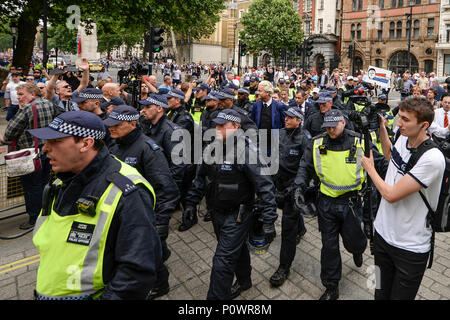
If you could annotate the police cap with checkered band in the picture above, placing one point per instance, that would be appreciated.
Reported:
(120, 114)
(72, 123)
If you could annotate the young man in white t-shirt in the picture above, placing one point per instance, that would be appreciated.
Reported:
(402, 238)
(11, 92)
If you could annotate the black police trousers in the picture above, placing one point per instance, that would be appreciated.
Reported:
(338, 217)
(232, 256)
(291, 224)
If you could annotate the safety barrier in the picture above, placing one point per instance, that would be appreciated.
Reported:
(11, 191)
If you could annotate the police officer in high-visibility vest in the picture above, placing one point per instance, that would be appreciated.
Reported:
(254, 83)
(347, 90)
(197, 103)
(97, 212)
(335, 158)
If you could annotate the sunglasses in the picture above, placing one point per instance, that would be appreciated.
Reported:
(66, 86)
(41, 87)
(29, 79)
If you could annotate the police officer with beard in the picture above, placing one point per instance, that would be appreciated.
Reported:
(229, 186)
(293, 143)
(335, 158)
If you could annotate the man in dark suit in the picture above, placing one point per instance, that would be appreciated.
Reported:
(267, 113)
(323, 79)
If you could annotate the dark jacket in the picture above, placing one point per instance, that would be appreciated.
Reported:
(206, 184)
(277, 114)
(246, 122)
(161, 133)
(314, 121)
(146, 156)
(182, 118)
(245, 105)
(122, 278)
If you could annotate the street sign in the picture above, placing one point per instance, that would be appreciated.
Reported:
(379, 77)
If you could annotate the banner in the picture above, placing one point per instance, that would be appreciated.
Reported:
(379, 77)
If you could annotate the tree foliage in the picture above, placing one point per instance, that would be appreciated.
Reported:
(271, 25)
(118, 21)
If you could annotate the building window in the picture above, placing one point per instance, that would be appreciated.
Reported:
(308, 5)
(379, 63)
(408, 28)
(308, 27)
(428, 66)
(399, 30)
(400, 3)
(391, 30)
(447, 33)
(352, 31)
(447, 63)
(358, 31)
(321, 5)
(360, 5)
(393, 3)
(320, 26)
(416, 29)
(380, 30)
(381, 4)
(430, 29)
(354, 5)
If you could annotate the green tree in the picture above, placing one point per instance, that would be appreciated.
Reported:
(63, 39)
(196, 17)
(271, 25)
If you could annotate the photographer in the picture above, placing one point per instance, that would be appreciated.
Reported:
(402, 240)
(404, 86)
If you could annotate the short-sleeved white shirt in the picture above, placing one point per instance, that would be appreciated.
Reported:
(11, 87)
(403, 224)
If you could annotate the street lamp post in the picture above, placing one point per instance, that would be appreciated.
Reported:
(411, 3)
(44, 38)
(13, 27)
(234, 45)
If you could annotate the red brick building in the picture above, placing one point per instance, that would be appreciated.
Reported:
(379, 32)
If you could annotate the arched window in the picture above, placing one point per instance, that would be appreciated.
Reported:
(399, 30)
(358, 31)
(391, 30)
(399, 62)
(416, 29)
(352, 31)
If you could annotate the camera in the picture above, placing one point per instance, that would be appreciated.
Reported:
(138, 68)
(367, 118)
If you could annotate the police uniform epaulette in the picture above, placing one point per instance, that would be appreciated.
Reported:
(153, 144)
(353, 133)
(323, 134)
(123, 183)
(173, 125)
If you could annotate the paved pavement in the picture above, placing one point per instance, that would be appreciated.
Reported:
(191, 260)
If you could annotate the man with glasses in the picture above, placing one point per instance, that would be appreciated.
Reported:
(60, 93)
(43, 88)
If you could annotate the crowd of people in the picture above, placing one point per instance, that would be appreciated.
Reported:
(117, 182)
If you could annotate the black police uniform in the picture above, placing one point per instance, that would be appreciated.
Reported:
(123, 279)
(293, 143)
(146, 156)
(315, 120)
(207, 118)
(230, 194)
(161, 134)
(245, 105)
(341, 215)
(246, 122)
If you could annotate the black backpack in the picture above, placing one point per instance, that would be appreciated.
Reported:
(439, 219)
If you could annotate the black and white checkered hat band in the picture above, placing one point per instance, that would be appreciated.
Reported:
(91, 95)
(294, 112)
(156, 102)
(333, 119)
(124, 117)
(74, 130)
(229, 117)
(175, 95)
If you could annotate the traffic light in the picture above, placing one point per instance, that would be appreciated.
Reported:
(147, 42)
(350, 51)
(299, 50)
(243, 49)
(156, 39)
(309, 47)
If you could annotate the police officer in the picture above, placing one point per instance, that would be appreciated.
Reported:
(230, 193)
(141, 152)
(159, 128)
(313, 123)
(347, 90)
(293, 142)
(335, 158)
(87, 227)
(243, 102)
(210, 112)
(226, 100)
(254, 83)
(90, 99)
(197, 103)
(336, 99)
